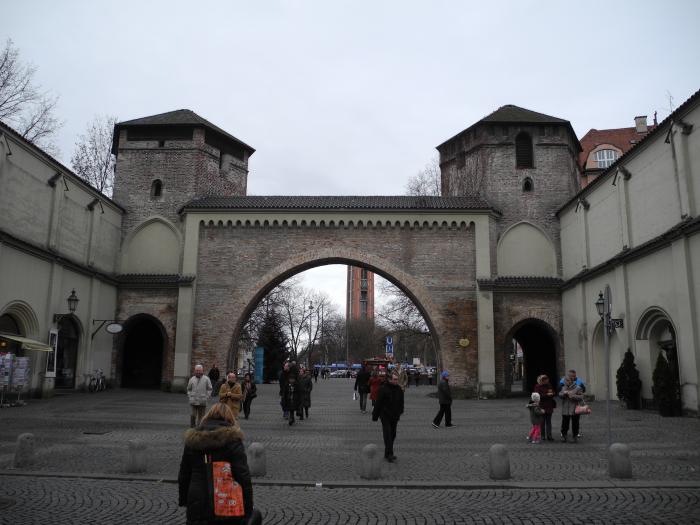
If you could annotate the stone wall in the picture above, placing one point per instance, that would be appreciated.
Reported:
(435, 265)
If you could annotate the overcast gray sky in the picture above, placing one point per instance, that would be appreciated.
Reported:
(351, 97)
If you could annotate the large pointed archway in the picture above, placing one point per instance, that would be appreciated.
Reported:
(532, 350)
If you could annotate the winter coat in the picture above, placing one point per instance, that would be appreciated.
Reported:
(444, 393)
(579, 382)
(547, 403)
(214, 375)
(250, 390)
(305, 388)
(224, 443)
(403, 379)
(231, 396)
(199, 390)
(291, 397)
(362, 381)
(374, 383)
(284, 379)
(389, 404)
(536, 413)
(571, 396)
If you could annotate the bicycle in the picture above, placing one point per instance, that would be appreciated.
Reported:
(97, 381)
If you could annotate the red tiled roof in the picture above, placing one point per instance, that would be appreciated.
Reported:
(622, 138)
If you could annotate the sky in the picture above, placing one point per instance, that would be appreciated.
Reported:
(351, 97)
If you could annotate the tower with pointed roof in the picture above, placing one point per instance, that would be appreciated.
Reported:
(522, 162)
(166, 160)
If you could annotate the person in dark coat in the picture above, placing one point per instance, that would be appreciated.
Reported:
(305, 388)
(547, 403)
(291, 398)
(362, 387)
(217, 435)
(214, 375)
(445, 400)
(388, 408)
(250, 392)
(283, 379)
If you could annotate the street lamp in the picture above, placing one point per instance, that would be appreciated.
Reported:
(72, 306)
(604, 307)
(311, 311)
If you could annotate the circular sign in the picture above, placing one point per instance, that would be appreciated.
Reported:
(114, 328)
(464, 342)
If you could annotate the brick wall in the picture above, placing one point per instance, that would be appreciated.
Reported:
(237, 265)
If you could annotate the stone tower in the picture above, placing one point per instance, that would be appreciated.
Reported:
(166, 160)
(522, 162)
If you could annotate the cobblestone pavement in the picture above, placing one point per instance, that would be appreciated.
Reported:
(69, 501)
(80, 435)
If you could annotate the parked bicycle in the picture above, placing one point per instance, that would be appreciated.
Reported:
(97, 381)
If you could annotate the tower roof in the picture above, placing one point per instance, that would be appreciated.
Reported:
(179, 117)
(511, 114)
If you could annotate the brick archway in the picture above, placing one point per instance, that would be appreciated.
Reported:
(413, 289)
(434, 263)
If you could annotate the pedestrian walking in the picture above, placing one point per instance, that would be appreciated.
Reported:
(547, 403)
(388, 408)
(445, 400)
(285, 373)
(305, 388)
(291, 398)
(571, 395)
(231, 393)
(403, 378)
(417, 377)
(572, 373)
(536, 417)
(374, 383)
(315, 374)
(214, 378)
(217, 439)
(362, 387)
(250, 392)
(199, 391)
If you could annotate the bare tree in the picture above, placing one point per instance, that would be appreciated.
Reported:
(92, 159)
(23, 105)
(399, 312)
(426, 181)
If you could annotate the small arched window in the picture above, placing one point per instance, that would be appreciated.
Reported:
(156, 189)
(523, 151)
(528, 185)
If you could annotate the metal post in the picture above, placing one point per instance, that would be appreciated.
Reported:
(606, 338)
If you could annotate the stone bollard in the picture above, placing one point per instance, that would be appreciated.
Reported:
(257, 462)
(619, 462)
(137, 456)
(371, 462)
(24, 453)
(499, 462)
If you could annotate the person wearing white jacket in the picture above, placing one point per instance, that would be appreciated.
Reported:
(199, 391)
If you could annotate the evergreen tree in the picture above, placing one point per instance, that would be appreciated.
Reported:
(663, 388)
(273, 340)
(629, 385)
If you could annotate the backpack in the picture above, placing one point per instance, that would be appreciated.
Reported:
(225, 494)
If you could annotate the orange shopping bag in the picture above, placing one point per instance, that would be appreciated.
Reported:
(227, 494)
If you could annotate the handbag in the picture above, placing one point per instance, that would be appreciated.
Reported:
(354, 396)
(226, 495)
(582, 409)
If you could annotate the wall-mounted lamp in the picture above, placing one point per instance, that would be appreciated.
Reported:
(72, 306)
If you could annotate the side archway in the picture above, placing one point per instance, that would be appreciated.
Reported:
(532, 349)
(153, 247)
(142, 348)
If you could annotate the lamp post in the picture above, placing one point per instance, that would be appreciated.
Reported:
(72, 306)
(604, 307)
(311, 311)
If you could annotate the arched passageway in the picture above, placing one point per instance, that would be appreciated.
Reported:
(143, 344)
(538, 343)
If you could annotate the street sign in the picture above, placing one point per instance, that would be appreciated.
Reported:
(389, 340)
(389, 349)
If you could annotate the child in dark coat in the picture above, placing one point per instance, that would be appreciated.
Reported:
(536, 416)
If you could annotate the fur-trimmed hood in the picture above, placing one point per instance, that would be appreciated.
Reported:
(212, 437)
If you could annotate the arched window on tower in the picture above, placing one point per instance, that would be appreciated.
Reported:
(523, 151)
(528, 185)
(156, 189)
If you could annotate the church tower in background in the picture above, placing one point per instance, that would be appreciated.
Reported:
(360, 294)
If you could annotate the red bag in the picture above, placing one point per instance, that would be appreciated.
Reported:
(226, 493)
